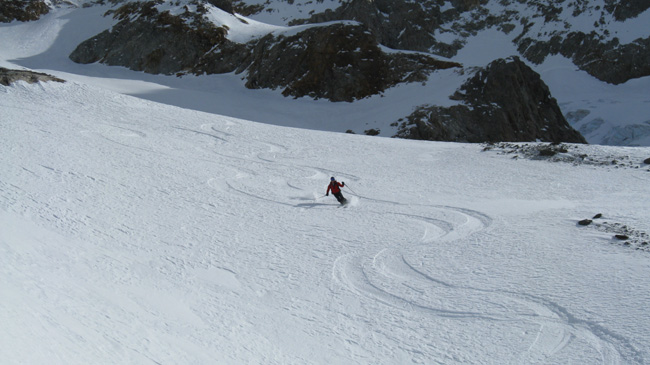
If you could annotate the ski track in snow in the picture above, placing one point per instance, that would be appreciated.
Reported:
(145, 203)
(389, 278)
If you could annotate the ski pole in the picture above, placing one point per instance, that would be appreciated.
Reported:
(352, 191)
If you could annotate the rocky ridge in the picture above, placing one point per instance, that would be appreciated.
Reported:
(153, 41)
(22, 10)
(546, 29)
(338, 55)
(505, 101)
(538, 29)
(341, 61)
(606, 38)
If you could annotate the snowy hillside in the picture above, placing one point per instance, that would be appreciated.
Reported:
(136, 232)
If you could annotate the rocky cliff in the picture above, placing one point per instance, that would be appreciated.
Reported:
(22, 10)
(339, 61)
(505, 101)
(153, 41)
(539, 29)
(350, 52)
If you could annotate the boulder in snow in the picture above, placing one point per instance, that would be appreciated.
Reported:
(8, 77)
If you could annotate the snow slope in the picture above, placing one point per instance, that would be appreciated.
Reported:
(136, 232)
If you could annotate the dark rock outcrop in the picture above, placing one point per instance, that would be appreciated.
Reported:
(506, 101)
(240, 7)
(339, 62)
(8, 77)
(572, 153)
(413, 25)
(22, 10)
(155, 42)
(396, 24)
(595, 51)
(399, 24)
(225, 5)
(623, 10)
(608, 61)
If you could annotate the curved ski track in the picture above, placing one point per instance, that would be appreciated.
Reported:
(390, 276)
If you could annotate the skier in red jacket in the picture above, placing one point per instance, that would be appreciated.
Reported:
(335, 187)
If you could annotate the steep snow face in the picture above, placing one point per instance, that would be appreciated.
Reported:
(135, 232)
(603, 113)
(240, 28)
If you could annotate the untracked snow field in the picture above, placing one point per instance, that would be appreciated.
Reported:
(137, 232)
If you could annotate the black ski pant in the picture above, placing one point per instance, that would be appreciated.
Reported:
(339, 197)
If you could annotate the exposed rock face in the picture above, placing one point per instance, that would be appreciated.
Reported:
(340, 62)
(608, 61)
(8, 77)
(154, 42)
(22, 10)
(623, 10)
(506, 101)
(428, 26)
(416, 25)
(596, 52)
(225, 5)
(240, 7)
(397, 24)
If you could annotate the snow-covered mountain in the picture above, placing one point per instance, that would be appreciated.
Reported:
(138, 232)
(572, 45)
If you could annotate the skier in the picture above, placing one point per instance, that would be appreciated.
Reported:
(335, 187)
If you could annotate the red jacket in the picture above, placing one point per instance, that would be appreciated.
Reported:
(335, 186)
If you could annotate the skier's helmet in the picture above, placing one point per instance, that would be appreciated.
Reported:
(332, 179)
